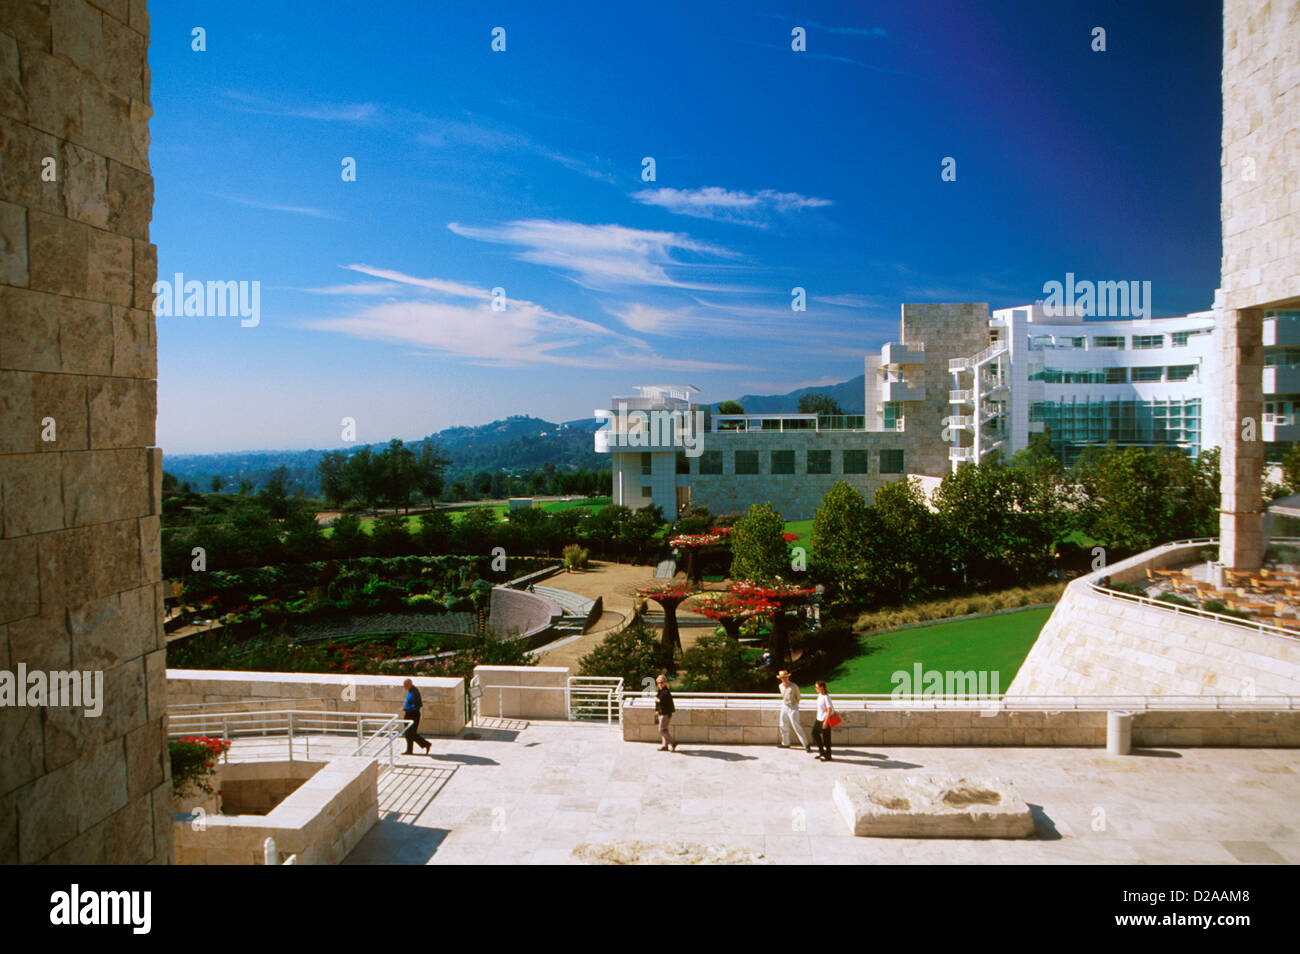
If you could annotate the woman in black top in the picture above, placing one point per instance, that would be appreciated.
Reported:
(664, 709)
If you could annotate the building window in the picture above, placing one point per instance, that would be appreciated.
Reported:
(1116, 376)
(1077, 342)
(711, 462)
(683, 463)
(746, 462)
(857, 462)
(1180, 338)
(1108, 341)
(891, 416)
(891, 462)
(647, 492)
(819, 462)
(1181, 372)
(1282, 357)
(783, 462)
(646, 464)
(1144, 342)
(1147, 374)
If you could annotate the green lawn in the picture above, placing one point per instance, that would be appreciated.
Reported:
(994, 643)
(804, 529)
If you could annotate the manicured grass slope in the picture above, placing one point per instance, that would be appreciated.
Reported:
(994, 643)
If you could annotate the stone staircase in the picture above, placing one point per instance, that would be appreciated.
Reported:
(574, 610)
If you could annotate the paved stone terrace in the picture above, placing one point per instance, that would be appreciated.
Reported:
(529, 793)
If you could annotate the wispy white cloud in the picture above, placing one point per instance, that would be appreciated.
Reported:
(359, 288)
(601, 256)
(851, 301)
(728, 205)
(877, 32)
(328, 112)
(468, 328)
(278, 207)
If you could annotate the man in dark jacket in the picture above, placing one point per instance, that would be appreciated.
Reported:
(664, 709)
(411, 710)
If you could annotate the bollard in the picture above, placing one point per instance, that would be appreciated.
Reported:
(1119, 732)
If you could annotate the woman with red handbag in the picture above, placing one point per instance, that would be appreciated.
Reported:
(827, 718)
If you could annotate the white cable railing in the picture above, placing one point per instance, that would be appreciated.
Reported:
(964, 364)
(374, 731)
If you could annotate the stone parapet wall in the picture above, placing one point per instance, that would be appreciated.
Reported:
(503, 697)
(759, 725)
(1096, 644)
(320, 822)
(80, 479)
(444, 699)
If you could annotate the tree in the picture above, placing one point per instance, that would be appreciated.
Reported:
(1291, 470)
(632, 654)
(759, 550)
(1135, 499)
(435, 532)
(333, 478)
(397, 474)
(304, 541)
(730, 407)
(820, 404)
(840, 534)
(669, 596)
(274, 496)
(170, 483)
(217, 484)
(430, 464)
(905, 543)
(348, 539)
(476, 532)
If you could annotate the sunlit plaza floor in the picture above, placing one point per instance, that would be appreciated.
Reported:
(526, 793)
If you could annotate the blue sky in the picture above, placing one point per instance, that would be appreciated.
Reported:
(522, 170)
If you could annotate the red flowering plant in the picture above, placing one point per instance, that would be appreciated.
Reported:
(194, 759)
(694, 544)
(669, 596)
(780, 597)
(731, 609)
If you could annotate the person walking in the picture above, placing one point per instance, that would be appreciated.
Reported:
(790, 712)
(664, 710)
(821, 731)
(411, 710)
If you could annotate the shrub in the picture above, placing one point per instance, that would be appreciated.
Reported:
(1175, 599)
(194, 759)
(575, 557)
(720, 664)
(893, 617)
(632, 653)
(1217, 606)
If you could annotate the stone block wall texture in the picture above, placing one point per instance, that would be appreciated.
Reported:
(1260, 213)
(79, 475)
(321, 822)
(1094, 644)
(444, 699)
(704, 723)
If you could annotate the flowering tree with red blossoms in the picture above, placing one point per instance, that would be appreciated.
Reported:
(731, 609)
(781, 597)
(695, 544)
(669, 596)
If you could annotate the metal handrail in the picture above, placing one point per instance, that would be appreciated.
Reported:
(849, 701)
(290, 724)
(1145, 555)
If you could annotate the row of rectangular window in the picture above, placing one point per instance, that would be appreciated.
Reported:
(1140, 375)
(782, 462)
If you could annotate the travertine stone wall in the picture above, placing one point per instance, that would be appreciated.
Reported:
(444, 699)
(1260, 214)
(703, 724)
(1095, 644)
(79, 476)
(320, 822)
(948, 331)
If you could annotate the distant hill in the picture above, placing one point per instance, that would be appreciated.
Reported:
(515, 443)
(850, 395)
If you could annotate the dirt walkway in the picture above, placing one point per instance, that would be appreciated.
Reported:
(615, 583)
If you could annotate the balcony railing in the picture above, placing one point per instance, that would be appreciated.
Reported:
(789, 422)
(961, 396)
(988, 354)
